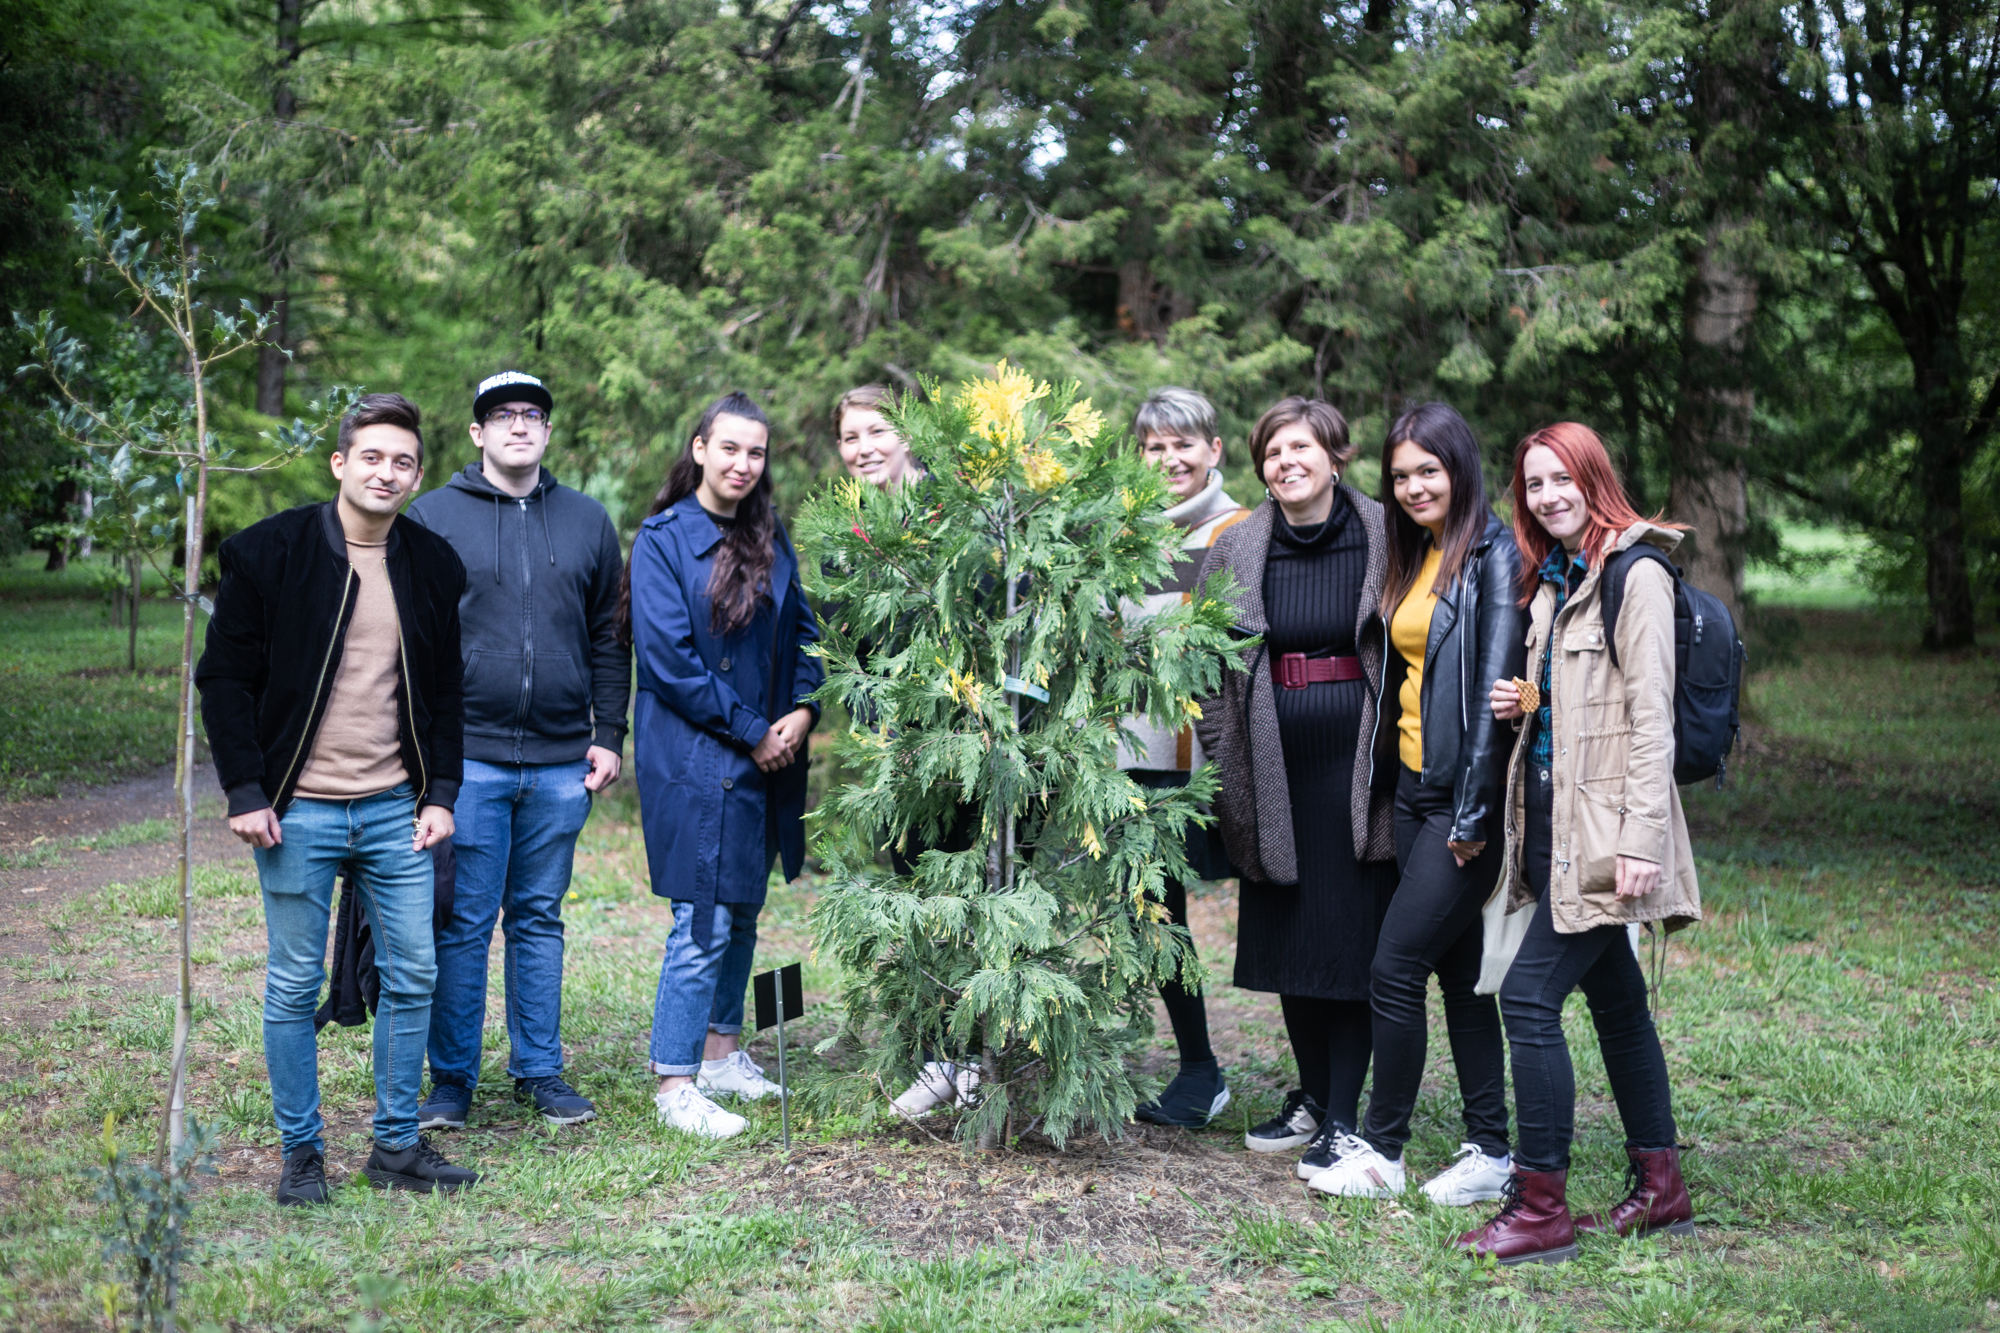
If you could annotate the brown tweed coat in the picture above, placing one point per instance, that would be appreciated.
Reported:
(1239, 728)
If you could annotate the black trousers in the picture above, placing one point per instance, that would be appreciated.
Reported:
(1186, 1010)
(1433, 927)
(1551, 965)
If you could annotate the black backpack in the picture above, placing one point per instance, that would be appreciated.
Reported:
(1708, 666)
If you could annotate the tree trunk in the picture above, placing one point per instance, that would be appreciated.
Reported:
(277, 303)
(137, 572)
(1146, 306)
(1714, 419)
(1947, 580)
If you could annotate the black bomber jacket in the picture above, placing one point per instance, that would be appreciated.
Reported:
(1478, 633)
(274, 643)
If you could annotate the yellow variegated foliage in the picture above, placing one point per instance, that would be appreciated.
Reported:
(1082, 421)
(998, 404)
(1044, 470)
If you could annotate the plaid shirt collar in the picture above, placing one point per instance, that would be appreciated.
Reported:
(1565, 570)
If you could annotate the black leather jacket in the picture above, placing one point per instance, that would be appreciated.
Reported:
(1477, 634)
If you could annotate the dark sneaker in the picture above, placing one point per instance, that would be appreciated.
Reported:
(1195, 1097)
(418, 1167)
(1333, 1142)
(559, 1103)
(445, 1108)
(1292, 1127)
(304, 1179)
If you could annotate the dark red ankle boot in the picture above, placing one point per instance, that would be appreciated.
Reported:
(1533, 1225)
(1658, 1200)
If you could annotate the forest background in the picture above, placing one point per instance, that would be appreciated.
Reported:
(1756, 243)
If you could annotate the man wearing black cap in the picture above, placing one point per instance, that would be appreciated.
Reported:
(546, 684)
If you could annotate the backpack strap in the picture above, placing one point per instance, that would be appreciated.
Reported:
(1612, 587)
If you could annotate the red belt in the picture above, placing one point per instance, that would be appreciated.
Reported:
(1295, 671)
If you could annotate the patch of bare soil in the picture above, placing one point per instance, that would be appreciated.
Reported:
(1124, 1201)
(47, 857)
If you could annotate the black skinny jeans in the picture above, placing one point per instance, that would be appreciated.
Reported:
(1550, 966)
(1433, 926)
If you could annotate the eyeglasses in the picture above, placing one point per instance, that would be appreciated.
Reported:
(507, 416)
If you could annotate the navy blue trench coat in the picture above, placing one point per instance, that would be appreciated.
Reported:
(713, 819)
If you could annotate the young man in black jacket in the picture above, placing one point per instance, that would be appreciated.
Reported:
(546, 684)
(330, 687)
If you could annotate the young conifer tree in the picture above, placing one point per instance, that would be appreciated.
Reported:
(973, 631)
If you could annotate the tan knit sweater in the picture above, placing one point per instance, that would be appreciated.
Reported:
(356, 752)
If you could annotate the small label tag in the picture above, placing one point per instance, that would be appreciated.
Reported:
(1015, 685)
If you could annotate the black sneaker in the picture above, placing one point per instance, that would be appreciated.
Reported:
(418, 1167)
(1292, 1127)
(559, 1103)
(445, 1108)
(303, 1180)
(1195, 1097)
(1326, 1149)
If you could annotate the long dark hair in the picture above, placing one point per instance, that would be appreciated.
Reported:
(1439, 430)
(740, 579)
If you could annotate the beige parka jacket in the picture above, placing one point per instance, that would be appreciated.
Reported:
(1613, 753)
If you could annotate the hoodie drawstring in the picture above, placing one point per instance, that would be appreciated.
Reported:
(496, 539)
(546, 539)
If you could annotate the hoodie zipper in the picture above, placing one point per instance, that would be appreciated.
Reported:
(347, 586)
(527, 639)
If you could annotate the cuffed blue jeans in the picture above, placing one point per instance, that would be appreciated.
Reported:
(515, 843)
(368, 839)
(701, 989)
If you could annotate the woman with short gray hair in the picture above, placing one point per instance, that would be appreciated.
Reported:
(1176, 430)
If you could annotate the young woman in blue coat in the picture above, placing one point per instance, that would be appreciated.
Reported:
(719, 626)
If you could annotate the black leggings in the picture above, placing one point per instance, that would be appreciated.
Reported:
(1433, 926)
(1185, 1009)
(1331, 1041)
(1549, 966)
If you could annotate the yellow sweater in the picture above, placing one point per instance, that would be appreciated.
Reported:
(1410, 631)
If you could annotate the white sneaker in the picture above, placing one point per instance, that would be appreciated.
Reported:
(735, 1075)
(1360, 1172)
(686, 1109)
(1473, 1178)
(938, 1084)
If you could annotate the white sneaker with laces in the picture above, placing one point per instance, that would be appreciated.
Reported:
(735, 1075)
(1360, 1172)
(1473, 1178)
(938, 1084)
(686, 1109)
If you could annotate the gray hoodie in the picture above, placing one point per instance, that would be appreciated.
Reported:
(545, 675)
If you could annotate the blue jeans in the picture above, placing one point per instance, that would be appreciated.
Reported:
(515, 841)
(370, 840)
(701, 990)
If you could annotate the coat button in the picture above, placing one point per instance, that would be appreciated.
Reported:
(728, 783)
(724, 664)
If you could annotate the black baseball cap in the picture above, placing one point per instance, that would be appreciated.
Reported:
(510, 386)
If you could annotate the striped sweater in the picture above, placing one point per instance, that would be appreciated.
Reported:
(1159, 748)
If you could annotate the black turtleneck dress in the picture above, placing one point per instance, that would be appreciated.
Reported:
(1316, 938)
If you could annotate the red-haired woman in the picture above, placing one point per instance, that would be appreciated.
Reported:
(1300, 813)
(1595, 842)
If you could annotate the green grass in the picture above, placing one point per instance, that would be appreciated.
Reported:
(1833, 1030)
(1817, 568)
(73, 713)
